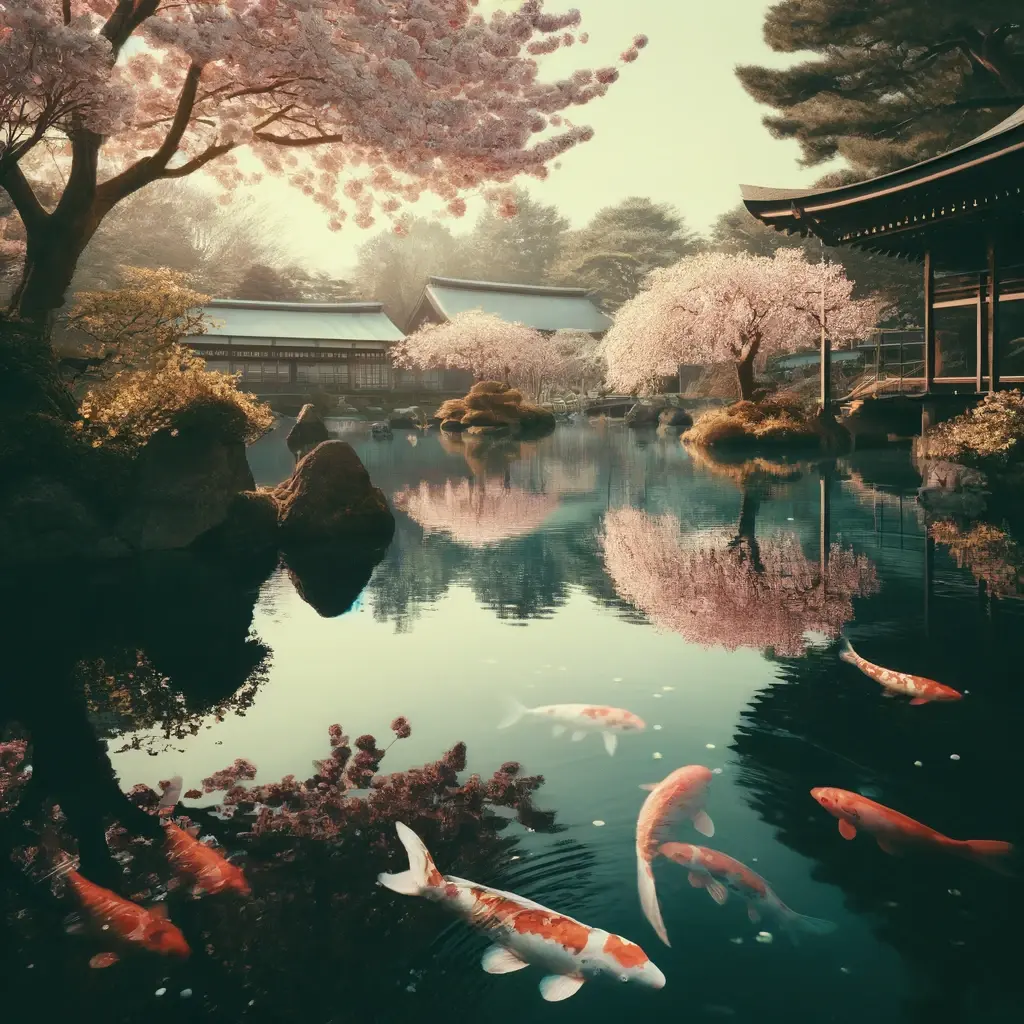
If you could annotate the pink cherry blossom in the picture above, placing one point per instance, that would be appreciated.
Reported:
(720, 307)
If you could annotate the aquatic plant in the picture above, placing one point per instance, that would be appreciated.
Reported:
(12, 773)
(726, 589)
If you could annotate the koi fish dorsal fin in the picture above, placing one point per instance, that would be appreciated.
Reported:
(556, 987)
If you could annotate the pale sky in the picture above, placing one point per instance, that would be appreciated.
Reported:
(676, 127)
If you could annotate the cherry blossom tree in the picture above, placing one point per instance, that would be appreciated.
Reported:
(727, 588)
(720, 307)
(374, 101)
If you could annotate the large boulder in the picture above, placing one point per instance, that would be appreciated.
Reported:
(948, 488)
(183, 484)
(329, 498)
(308, 431)
(45, 520)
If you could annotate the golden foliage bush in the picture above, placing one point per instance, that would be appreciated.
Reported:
(494, 404)
(989, 434)
(771, 422)
(176, 393)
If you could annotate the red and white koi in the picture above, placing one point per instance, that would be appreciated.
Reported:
(682, 792)
(130, 925)
(208, 869)
(582, 719)
(895, 833)
(524, 932)
(721, 874)
(921, 689)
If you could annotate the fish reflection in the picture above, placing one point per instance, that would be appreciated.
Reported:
(479, 513)
(895, 833)
(721, 874)
(524, 932)
(921, 689)
(583, 718)
(682, 793)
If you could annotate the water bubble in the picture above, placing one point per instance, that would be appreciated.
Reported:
(764, 938)
(954, 757)
(917, 764)
(598, 822)
(161, 991)
(657, 728)
(656, 756)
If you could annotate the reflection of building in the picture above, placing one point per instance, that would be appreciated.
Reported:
(546, 309)
(961, 214)
(293, 346)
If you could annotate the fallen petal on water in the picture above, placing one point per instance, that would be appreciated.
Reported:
(668, 689)
(657, 728)
(186, 993)
(161, 991)
(953, 892)
(617, 679)
(656, 695)
(656, 756)
(844, 970)
(598, 822)
(716, 771)
(954, 757)
(764, 937)
(917, 764)
(709, 746)
(737, 942)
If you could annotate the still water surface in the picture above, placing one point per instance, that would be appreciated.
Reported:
(602, 567)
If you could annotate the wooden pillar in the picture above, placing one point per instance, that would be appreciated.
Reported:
(993, 316)
(929, 574)
(979, 371)
(824, 523)
(929, 321)
(826, 356)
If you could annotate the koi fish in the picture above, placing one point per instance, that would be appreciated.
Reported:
(210, 871)
(720, 874)
(127, 922)
(684, 790)
(921, 689)
(582, 718)
(895, 832)
(524, 932)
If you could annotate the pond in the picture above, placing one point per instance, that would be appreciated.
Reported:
(597, 566)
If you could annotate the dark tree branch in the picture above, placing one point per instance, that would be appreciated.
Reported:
(16, 185)
(127, 17)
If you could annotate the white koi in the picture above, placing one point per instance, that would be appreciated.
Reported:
(524, 932)
(582, 719)
(682, 791)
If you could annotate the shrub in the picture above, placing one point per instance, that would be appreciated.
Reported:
(178, 393)
(493, 404)
(990, 434)
(768, 423)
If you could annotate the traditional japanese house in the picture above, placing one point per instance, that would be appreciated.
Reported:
(961, 215)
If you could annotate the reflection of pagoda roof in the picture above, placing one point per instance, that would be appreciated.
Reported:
(947, 203)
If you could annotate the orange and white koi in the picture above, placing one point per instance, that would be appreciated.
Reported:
(721, 874)
(126, 922)
(210, 871)
(582, 719)
(681, 792)
(921, 689)
(895, 833)
(524, 932)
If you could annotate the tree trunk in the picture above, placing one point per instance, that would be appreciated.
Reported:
(51, 256)
(745, 377)
(744, 544)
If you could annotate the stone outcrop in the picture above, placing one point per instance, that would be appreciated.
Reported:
(673, 416)
(308, 431)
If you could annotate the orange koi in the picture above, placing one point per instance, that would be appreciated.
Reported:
(895, 833)
(921, 689)
(684, 790)
(524, 932)
(127, 922)
(582, 718)
(210, 871)
(721, 874)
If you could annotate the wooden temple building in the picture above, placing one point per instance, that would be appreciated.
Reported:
(961, 216)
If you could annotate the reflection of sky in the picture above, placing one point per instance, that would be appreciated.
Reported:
(455, 663)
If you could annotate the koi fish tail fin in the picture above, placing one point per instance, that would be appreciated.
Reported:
(415, 881)
(990, 853)
(796, 926)
(170, 798)
(649, 898)
(513, 712)
(846, 651)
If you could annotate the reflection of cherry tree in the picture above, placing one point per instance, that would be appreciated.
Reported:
(728, 588)
(990, 553)
(476, 513)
